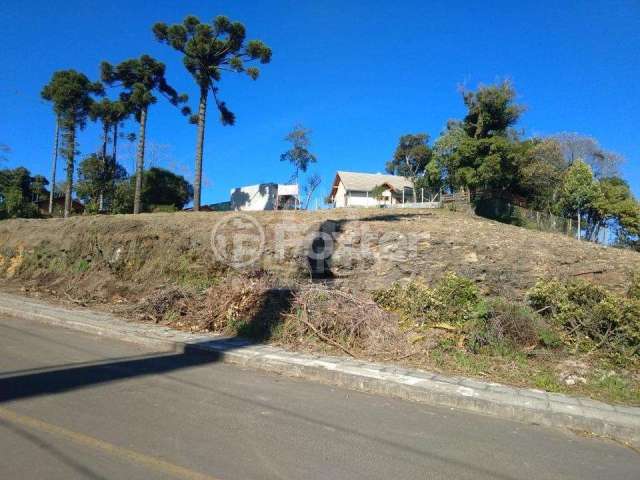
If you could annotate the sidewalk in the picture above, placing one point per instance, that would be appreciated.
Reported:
(526, 405)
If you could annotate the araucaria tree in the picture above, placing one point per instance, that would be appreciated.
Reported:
(411, 158)
(110, 114)
(209, 50)
(141, 78)
(70, 92)
(298, 155)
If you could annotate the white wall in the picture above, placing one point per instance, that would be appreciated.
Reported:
(254, 197)
(343, 198)
(339, 198)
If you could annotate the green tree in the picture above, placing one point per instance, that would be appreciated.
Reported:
(209, 50)
(94, 181)
(298, 155)
(540, 171)
(616, 207)
(490, 110)
(482, 150)
(17, 193)
(141, 78)
(70, 92)
(38, 188)
(110, 113)
(160, 188)
(411, 158)
(580, 191)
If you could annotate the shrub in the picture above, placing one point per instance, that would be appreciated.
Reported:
(454, 300)
(512, 326)
(592, 317)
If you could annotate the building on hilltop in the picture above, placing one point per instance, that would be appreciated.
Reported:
(351, 189)
(265, 196)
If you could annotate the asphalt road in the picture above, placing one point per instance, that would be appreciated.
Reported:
(73, 405)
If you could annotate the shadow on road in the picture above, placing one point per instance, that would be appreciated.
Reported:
(62, 380)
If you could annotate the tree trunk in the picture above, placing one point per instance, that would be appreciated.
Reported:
(579, 226)
(197, 181)
(114, 163)
(54, 163)
(71, 150)
(105, 165)
(137, 199)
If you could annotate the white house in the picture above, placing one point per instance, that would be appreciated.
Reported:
(265, 196)
(352, 189)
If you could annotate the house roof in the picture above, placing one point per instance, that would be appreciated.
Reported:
(368, 181)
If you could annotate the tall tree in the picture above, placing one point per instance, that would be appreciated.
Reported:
(54, 163)
(575, 146)
(298, 155)
(481, 151)
(54, 159)
(490, 110)
(540, 171)
(141, 78)
(617, 208)
(209, 50)
(580, 191)
(70, 92)
(411, 158)
(110, 113)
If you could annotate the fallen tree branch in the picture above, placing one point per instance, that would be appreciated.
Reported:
(325, 338)
(587, 273)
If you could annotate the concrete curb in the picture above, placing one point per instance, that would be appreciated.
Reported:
(526, 405)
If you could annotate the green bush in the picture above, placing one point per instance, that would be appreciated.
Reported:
(592, 317)
(454, 300)
(510, 326)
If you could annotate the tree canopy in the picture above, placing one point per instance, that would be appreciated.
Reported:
(71, 94)
(298, 155)
(209, 50)
(160, 188)
(18, 190)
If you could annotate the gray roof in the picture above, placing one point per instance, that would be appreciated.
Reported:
(366, 182)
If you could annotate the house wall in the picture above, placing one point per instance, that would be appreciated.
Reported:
(361, 199)
(254, 197)
(339, 198)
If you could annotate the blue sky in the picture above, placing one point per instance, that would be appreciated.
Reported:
(359, 73)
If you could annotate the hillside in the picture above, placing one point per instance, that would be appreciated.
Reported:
(327, 282)
(118, 255)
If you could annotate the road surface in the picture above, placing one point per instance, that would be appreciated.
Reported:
(74, 405)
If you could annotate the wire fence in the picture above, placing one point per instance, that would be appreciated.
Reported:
(514, 214)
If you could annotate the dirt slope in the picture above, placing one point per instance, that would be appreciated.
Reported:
(117, 255)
